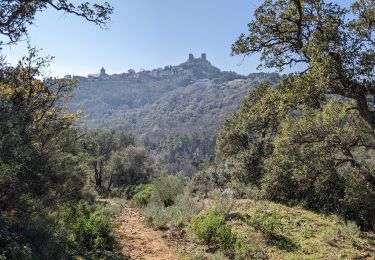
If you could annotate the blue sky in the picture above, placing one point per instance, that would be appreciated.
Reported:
(143, 34)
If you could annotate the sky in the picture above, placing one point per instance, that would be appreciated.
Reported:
(142, 34)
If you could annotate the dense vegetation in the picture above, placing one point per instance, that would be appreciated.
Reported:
(305, 140)
(176, 111)
(45, 210)
(310, 140)
(221, 226)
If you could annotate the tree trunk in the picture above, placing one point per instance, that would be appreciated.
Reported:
(365, 111)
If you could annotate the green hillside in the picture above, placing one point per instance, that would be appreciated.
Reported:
(175, 111)
(273, 231)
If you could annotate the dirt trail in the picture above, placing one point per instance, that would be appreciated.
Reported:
(139, 241)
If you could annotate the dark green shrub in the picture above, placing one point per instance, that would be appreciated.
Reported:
(142, 197)
(88, 232)
(33, 240)
(212, 230)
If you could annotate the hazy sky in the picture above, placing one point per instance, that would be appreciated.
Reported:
(143, 34)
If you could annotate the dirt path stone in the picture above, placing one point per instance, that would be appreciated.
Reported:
(140, 241)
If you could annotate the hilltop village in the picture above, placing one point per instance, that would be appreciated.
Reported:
(158, 73)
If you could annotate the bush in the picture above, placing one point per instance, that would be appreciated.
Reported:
(142, 197)
(224, 204)
(185, 209)
(33, 240)
(87, 231)
(179, 214)
(213, 231)
(266, 222)
(166, 189)
(129, 191)
(157, 216)
(350, 231)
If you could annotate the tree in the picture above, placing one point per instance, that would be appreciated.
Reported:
(16, 15)
(334, 45)
(37, 144)
(323, 159)
(40, 155)
(129, 166)
(245, 139)
(102, 145)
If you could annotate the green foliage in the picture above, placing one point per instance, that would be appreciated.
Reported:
(245, 139)
(266, 222)
(322, 119)
(318, 158)
(128, 191)
(185, 209)
(75, 230)
(42, 161)
(129, 166)
(166, 189)
(347, 232)
(159, 108)
(315, 162)
(338, 57)
(178, 215)
(157, 216)
(212, 230)
(17, 16)
(224, 204)
(164, 202)
(143, 195)
(113, 159)
(87, 231)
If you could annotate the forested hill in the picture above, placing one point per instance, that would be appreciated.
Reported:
(175, 110)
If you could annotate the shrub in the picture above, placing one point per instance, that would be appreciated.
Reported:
(166, 189)
(142, 197)
(129, 191)
(73, 231)
(87, 231)
(330, 236)
(184, 210)
(212, 230)
(118, 192)
(224, 204)
(266, 222)
(157, 216)
(350, 231)
(179, 214)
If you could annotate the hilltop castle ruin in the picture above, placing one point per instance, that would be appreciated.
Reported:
(202, 58)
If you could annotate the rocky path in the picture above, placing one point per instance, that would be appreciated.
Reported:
(140, 241)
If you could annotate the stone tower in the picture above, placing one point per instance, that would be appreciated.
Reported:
(204, 57)
(102, 72)
(191, 57)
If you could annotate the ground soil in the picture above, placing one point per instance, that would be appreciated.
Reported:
(140, 241)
